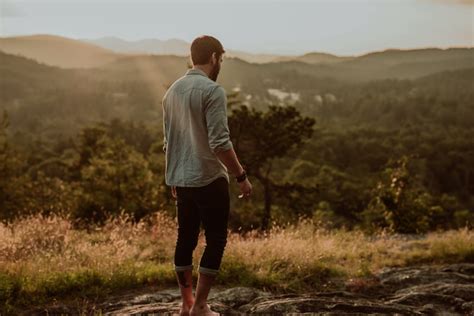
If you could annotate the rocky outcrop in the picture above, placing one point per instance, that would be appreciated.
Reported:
(423, 290)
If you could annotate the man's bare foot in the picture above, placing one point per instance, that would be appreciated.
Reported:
(184, 310)
(202, 310)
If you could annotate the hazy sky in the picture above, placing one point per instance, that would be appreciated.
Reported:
(349, 27)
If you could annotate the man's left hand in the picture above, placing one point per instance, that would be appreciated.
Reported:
(173, 192)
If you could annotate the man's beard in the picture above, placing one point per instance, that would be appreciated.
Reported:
(215, 72)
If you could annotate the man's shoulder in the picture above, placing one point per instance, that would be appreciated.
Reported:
(193, 82)
(210, 88)
(176, 84)
(214, 89)
(206, 83)
(217, 91)
(171, 88)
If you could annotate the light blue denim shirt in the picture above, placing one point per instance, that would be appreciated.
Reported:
(195, 128)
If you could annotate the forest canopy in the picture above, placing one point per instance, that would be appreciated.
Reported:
(392, 153)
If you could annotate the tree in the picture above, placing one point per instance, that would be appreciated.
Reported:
(4, 159)
(116, 178)
(262, 137)
(407, 206)
(12, 179)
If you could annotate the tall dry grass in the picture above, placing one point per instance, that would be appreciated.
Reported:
(43, 257)
(305, 255)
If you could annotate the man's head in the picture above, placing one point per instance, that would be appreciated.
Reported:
(206, 53)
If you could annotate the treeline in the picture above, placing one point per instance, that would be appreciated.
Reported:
(107, 169)
(411, 180)
(394, 154)
(368, 176)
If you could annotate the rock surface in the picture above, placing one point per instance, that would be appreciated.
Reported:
(422, 290)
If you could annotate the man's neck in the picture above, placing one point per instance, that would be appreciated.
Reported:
(206, 69)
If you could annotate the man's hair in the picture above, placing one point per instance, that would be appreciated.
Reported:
(202, 48)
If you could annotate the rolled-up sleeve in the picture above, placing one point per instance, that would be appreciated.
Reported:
(216, 120)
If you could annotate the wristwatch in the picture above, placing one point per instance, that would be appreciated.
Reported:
(241, 177)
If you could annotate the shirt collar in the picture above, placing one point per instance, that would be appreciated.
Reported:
(196, 72)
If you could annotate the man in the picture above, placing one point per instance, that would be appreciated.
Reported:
(199, 154)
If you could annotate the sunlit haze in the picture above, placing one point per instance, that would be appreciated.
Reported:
(259, 26)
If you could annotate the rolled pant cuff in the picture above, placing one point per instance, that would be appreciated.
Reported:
(183, 268)
(208, 271)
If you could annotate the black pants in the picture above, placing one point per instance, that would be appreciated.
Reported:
(210, 205)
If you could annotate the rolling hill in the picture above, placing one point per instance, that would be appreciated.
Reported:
(173, 47)
(57, 51)
(53, 101)
(391, 63)
(316, 58)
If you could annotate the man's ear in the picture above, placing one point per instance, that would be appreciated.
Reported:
(214, 58)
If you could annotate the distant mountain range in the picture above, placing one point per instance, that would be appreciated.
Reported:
(181, 48)
(131, 86)
(85, 53)
(169, 58)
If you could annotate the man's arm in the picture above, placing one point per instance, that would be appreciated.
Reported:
(218, 130)
(165, 143)
(219, 136)
(230, 160)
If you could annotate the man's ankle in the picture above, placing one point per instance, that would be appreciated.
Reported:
(188, 303)
(200, 305)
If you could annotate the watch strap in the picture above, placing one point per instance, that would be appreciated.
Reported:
(241, 177)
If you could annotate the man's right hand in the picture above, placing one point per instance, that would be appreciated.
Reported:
(245, 188)
(229, 159)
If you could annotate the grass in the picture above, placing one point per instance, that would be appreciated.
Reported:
(44, 258)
